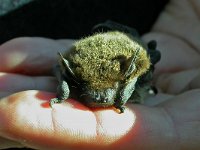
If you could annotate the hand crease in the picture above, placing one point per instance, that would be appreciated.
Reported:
(190, 44)
(171, 119)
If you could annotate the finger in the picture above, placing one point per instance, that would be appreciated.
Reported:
(30, 55)
(25, 118)
(66, 42)
(43, 127)
(183, 24)
(176, 55)
(184, 112)
(11, 83)
(175, 83)
(184, 107)
(157, 99)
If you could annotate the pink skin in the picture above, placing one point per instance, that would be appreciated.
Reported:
(170, 120)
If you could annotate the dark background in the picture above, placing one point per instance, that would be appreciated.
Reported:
(74, 18)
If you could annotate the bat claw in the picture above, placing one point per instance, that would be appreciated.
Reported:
(54, 101)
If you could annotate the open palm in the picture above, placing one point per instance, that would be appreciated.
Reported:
(170, 120)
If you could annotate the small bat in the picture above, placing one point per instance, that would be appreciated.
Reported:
(108, 68)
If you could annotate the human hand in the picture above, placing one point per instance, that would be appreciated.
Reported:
(169, 120)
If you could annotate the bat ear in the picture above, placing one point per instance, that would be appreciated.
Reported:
(127, 66)
(65, 66)
(130, 65)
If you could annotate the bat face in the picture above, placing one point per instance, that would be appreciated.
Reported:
(99, 98)
(117, 95)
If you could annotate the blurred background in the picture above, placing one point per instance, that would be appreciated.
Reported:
(73, 18)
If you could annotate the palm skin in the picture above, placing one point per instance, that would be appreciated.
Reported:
(170, 120)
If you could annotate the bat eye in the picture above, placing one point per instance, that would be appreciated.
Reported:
(97, 96)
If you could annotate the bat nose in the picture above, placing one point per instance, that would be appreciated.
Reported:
(104, 100)
(100, 99)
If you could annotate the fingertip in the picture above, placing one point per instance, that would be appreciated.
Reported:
(112, 126)
(25, 55)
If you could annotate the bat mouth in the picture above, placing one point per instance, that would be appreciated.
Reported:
(96, 102)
